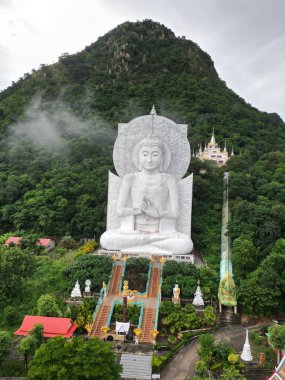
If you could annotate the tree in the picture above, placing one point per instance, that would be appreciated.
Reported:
(95, 268)
(47, 306)
(30, 343)
(277, 338)
(78, 359)
(245, 256)
(5, 344)
(15, 266)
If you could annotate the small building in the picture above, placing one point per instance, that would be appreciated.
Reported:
(53, 326)
(13, 240)
(47, 243)
(213, 152)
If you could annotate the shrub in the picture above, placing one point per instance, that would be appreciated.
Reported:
(172, 339)
(222, 351)
(67, 242)
(201, 367)
(88, 247)
(157, 362)
(233, 358)
(61, 251)
(257, 339)
(209, 315)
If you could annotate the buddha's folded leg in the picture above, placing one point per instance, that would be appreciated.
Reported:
(176, 245)
(116, 240)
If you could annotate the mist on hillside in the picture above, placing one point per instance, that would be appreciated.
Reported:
(51, 126)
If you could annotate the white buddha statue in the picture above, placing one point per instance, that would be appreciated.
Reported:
(148, 205)
(76, 292)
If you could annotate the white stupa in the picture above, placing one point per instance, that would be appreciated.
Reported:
(76, 292)
(246, 352)
(198, 297)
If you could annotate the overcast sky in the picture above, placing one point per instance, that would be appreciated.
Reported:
(245, 38)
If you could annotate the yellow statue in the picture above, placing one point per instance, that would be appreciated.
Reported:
(176, 294)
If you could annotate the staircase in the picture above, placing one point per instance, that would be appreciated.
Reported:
(154, 281)
(103, 312)
(148, 325)
(100, 320)
(115, 279)
(148, 322)
(228, 317)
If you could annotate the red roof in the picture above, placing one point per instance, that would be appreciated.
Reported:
(16, 240)
(44, 242)
(53, 326)
(13, 239)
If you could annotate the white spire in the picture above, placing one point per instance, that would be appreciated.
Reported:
(225, 147)
(200, 148)
(232, 154)
(213, 140)
(153, 111)
(246, 352)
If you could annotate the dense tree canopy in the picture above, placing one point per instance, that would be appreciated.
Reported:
(95, 268)
(15, 266)
(75, 360)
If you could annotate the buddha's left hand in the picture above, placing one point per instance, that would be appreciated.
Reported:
(149, 208)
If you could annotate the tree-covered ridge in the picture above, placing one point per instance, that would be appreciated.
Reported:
(135, 65)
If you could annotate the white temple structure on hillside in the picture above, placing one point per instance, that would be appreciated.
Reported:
(213, 152)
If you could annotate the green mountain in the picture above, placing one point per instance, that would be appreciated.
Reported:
(139, 64)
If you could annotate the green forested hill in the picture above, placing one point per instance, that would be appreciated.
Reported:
(58, 125)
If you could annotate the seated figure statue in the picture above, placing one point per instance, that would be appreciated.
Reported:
(148, 205)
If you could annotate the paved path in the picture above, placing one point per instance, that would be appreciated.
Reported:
(182, 366)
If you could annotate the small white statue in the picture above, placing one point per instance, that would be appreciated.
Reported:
(198, 297)
(176, 294)
(87, 286)
(76, 292)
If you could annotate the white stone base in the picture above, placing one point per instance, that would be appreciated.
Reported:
(188, 258)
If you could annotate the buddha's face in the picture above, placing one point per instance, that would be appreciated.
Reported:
(150, 157)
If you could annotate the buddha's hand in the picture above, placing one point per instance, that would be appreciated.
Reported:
(137, 211)
(149, 208)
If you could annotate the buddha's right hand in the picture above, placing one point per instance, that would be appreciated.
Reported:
(149, 208)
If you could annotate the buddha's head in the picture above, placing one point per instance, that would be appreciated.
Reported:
(151, 154)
